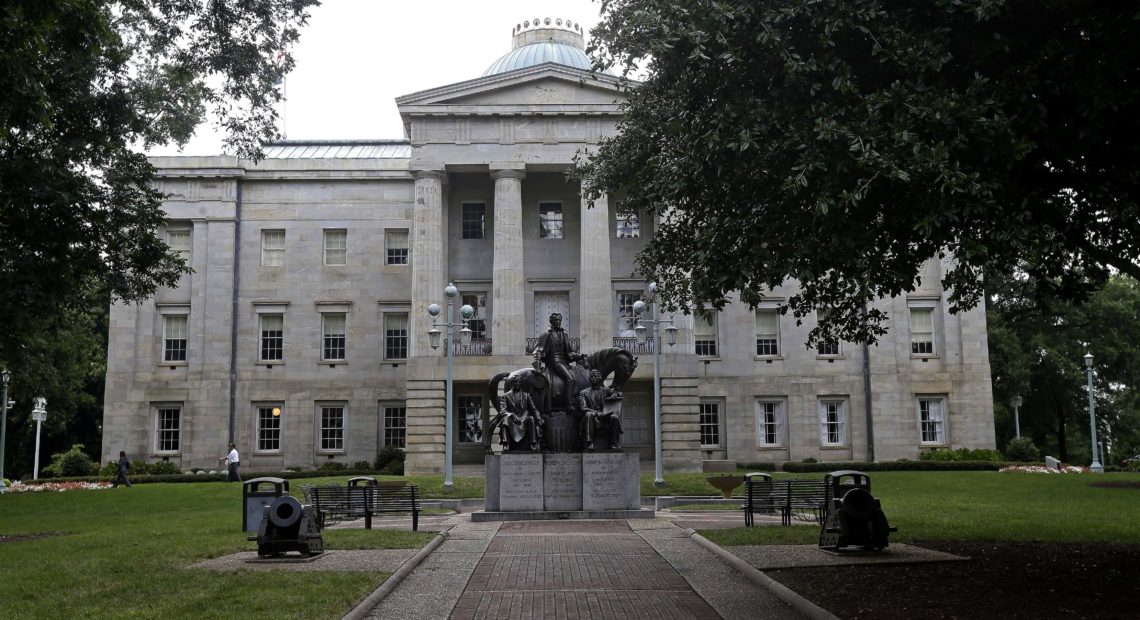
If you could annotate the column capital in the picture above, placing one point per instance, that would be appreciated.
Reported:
(509, 173)
(437, 175)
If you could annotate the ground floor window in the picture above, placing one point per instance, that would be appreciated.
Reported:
(168, 428)
(932, 419)
(395, 425)
(268, 428)
(470, 424)
(331, 420)
(769, 423)
(710, 425)
(832, 422)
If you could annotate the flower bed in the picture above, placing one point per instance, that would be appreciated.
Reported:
(59, 487)
(1041, 469)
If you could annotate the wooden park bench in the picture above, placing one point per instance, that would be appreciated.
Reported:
(363, 497)
(792, 498)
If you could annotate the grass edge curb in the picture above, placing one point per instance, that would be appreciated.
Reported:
(784, 593)
(372, 600)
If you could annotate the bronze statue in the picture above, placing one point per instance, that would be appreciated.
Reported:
(601, 415)
(553, 353)
(520, 427)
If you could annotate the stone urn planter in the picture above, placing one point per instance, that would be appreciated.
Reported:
(725, 484)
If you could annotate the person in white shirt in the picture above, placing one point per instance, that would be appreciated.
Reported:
(232, 461)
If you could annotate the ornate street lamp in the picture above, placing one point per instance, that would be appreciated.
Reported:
(39, 414)
(433, 339)
(1016, 417)
(1095, 465)
(5, 376)
(670, 339)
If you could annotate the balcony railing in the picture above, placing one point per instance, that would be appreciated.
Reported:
(531, 343)
(630, 343)
(478, 346)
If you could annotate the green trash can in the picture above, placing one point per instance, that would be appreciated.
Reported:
(256, 495)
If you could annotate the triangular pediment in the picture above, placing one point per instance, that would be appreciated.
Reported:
(543, 85)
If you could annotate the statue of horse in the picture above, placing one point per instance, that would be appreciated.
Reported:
(608, 361)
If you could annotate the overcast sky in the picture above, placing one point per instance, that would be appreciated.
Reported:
(356, 56)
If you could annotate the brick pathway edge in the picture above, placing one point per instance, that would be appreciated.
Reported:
(370, 602)
(797, 602)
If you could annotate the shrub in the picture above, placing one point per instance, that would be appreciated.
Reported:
(1022, 450)
(894, 466)
(960, 454)
(362, 466)
(332, 466)
(810, 460)
(110, 470)
(757, 466)
(388, 455)
(163, 468)
(72, 463)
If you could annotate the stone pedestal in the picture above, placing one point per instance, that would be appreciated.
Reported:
(602, 485)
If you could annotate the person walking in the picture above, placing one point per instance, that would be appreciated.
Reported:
(124, 465)
(232, 459)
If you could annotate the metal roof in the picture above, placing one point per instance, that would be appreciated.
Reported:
(539, 53)
(338, 149)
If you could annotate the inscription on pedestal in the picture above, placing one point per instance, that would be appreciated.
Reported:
(610, 481)
(562, 481)
(520, 482)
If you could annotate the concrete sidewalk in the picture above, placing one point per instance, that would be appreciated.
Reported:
(576, 569)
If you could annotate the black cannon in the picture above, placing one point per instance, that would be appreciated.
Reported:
(286, 526)
(854, 517)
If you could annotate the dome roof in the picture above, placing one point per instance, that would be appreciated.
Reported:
(541, 41)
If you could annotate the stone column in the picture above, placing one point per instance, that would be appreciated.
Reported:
(428, 254)
(508, 331)
(596, 294)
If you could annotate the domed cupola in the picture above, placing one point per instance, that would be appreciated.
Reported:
(541, 41)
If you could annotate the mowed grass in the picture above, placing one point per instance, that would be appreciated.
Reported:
(984, 506)
(127, 552)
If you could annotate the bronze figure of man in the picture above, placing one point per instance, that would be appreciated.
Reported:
(554, 352)
(592, 404)
(521, 427)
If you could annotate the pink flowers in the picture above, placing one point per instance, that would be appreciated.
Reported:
(1041, 469)
(39, 487)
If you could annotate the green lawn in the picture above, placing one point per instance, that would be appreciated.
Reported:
(985, 506)
(124, 553)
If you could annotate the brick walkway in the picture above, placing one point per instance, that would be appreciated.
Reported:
(575, 569)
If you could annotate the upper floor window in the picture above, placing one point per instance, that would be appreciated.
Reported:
(826, 348)
(767, 333)
(478, 322)
(174, 338)
(832, 422)
(922, 331)
(333, 339)
(704, 333)
(550, 220)
(272, 248)
(396, 336)
(627, 320)
(336, 246)
(272, 337)
(396, 247)
(474, 220)
(179, 241)
(628, 225)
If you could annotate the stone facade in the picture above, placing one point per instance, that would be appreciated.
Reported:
(355, 239)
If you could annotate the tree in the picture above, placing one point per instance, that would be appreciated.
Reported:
(1037, 350)
(841, 143)
(85, 84)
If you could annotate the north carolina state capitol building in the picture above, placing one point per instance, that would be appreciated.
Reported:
(303, 332)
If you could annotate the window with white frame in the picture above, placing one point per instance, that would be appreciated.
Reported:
(469, 411)
(550, 220)
(178, 238)
(932, 419)
(826, 348)
(478, 322)
(767, 332)
(272, 248)
(628, 225)
(627, 319)
(710, 424)
(174, 338)
(474, 220)
(272, 337)
(704, 333)
(268, 427)
(331, 417)
(922, 330)
(832, 422)
(395, 335)
(395, 417)
(769, 423)
(396, 247)
(168, 428)
(336, 246)
(333, 335)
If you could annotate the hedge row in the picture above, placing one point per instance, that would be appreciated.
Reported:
(288, 475)
(896, 466)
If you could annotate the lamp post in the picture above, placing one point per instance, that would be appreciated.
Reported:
(671, 339)
(39, 414)
(433, 339)
(1095, 465)
(5, 376)
(1016, 417)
